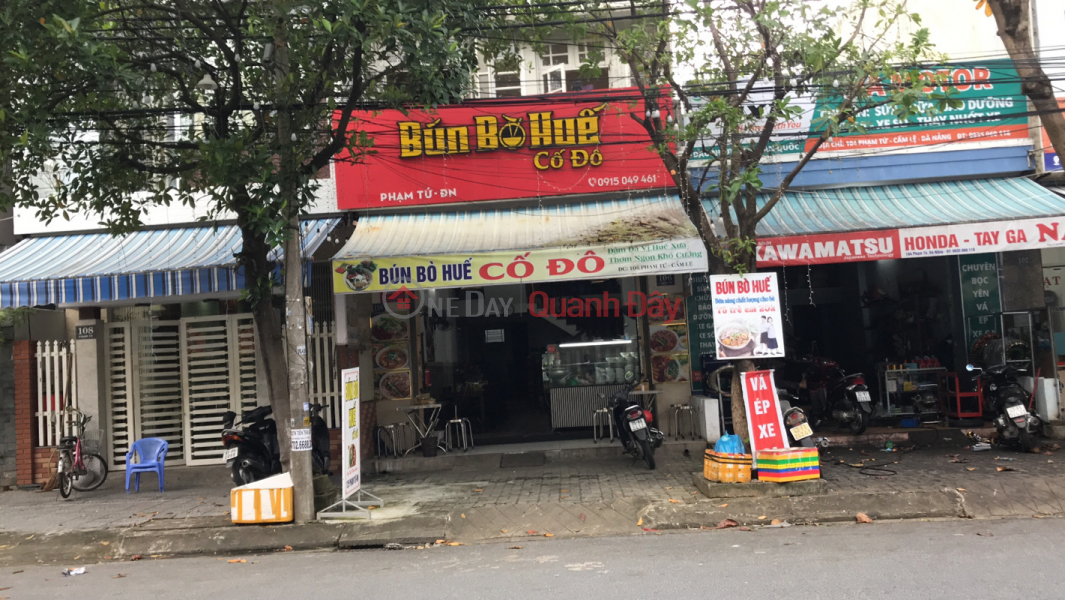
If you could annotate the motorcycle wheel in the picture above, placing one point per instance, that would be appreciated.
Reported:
(807, 442)
(238, 478)
(648, 453)
(1026, 441)
(66, 484)
(859, 425)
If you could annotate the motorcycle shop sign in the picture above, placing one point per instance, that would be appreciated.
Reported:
(765, 423)
(484, 150)
(747, 321)
(366, 274)
(914, 242)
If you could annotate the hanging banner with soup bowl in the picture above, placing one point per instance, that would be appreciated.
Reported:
(369, 274)
(747, 319)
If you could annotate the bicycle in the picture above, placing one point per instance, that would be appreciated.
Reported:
(76, 469)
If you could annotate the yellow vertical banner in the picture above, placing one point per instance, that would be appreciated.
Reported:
(349, 438)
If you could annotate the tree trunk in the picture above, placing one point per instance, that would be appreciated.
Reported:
(295, 308)
(258, 271)
(1013, 18)
(739, 409)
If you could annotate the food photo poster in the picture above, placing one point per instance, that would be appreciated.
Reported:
(670, 361)
(747, 317)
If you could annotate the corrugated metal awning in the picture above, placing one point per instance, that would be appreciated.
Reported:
(904, 205)
(99, 267)
(626, 235)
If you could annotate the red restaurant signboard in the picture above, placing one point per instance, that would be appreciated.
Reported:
(576, 143)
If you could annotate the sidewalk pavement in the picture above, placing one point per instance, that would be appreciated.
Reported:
(604, 496)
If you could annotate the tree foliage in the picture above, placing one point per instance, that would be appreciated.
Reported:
(113, 107)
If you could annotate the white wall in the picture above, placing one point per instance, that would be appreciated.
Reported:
(26, 222)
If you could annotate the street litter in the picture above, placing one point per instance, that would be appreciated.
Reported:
(726, 523)
(777, 524)
(863, 518)
(981, 446)
(72, 572)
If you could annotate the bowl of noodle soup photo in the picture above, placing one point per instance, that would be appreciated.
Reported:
(734, 337)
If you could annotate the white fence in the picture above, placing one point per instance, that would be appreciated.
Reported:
(325, 382)
(57, 389)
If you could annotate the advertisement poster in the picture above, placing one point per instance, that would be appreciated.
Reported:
(993, 108)
(574, 143)
(765, 423)
(747, 318)
(515, 266)
(670, 361)
(349, 437)
(700, 309)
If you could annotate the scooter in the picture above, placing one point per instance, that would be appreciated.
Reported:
(1008, 401)
(251, 452)
(795, 423)
(840, 397)
(632, 422)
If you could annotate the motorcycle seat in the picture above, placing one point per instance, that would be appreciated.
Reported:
(68, 440)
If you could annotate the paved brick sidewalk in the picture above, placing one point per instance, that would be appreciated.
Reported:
(587, 497)
(190, 492)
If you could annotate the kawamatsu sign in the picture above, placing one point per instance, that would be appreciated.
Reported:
(915, 242)
(563, 144)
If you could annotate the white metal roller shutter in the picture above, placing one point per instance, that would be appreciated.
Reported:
(118, 362)
(158, 379)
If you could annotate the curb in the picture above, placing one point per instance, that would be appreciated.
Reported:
(830, 508)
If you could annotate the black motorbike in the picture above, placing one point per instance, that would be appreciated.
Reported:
(1007, 400)
(633, 425)
(795, 423)
(251, 452)
(838, 396)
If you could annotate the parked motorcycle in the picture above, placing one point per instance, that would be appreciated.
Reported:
(633, 425)
(838, 396)
(1007, 400)
(795, 423)
(251, 452)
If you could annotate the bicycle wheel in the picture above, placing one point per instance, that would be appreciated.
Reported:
(66, 484)
(94, 475)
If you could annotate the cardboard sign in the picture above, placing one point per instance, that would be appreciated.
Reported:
(349, 436)
(765, 423)
(576, 143)
(747, 319)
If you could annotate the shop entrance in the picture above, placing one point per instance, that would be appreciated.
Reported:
(503, 372)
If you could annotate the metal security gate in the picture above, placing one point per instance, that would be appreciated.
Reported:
(218, 374)
(174, 380)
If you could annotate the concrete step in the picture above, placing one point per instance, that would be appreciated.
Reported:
(490, 456)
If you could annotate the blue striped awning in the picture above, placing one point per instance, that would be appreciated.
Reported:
(904, 205)
(98, 267)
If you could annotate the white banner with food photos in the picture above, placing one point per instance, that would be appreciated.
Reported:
(352, 462)
(747, 317)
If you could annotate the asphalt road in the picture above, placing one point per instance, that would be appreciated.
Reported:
(914, 560)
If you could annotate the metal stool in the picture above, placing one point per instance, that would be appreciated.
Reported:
(599, 427)
(463, 431)
(386, 440)
(405, 438)
(675, 413)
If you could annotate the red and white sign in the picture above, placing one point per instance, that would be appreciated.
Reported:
(828, 248)
(576, 143)
(995, 236)
(765, 423)
(914, 242)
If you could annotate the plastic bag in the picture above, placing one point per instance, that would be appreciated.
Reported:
(730, 444)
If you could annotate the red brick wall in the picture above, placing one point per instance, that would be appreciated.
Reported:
(334, 451)
(24, 355)
(44, 463)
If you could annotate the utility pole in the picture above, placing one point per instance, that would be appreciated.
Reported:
(295, 309)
